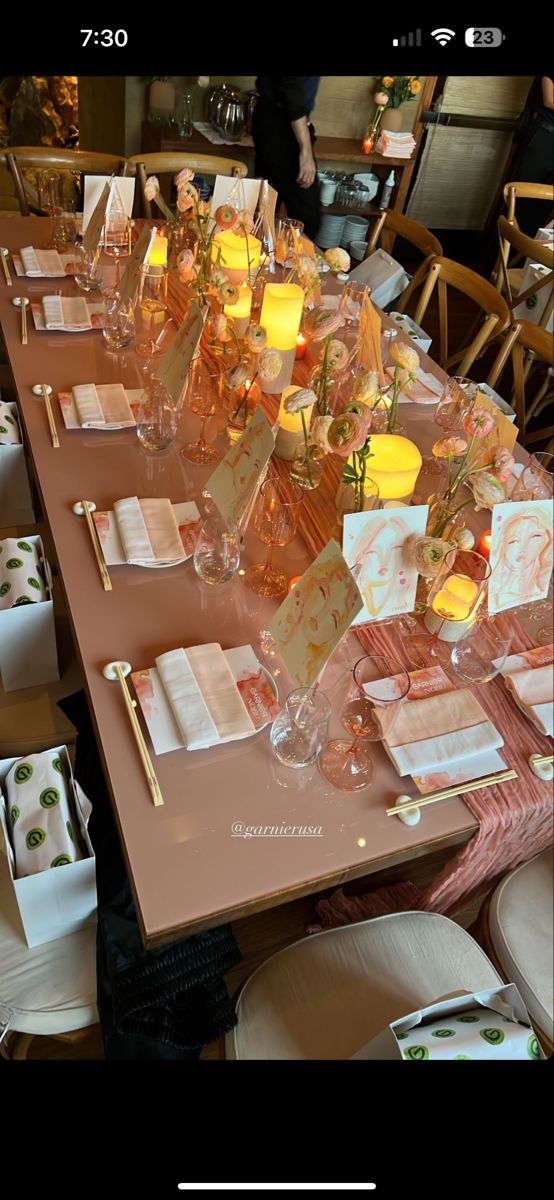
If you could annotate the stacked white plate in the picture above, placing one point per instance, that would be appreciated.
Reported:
(357, 250)
(330, 231)
(355, 230)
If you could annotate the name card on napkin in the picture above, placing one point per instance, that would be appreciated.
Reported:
(234, 480)
(173, 368)
(315, 615)
(131, 274)
(370, 339)
(521, 553)
(91, 238)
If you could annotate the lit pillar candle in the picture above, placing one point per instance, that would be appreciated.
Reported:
(158, 253)
(240, 312)
(281, 314)
(290, 434)
(394, 466)
(484, 546)
(234, 254)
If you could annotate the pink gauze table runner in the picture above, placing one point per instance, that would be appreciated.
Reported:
(515, 819)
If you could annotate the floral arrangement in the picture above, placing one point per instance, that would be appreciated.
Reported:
(407, 362)
(463, 454)
(320, 325)
(394, 90)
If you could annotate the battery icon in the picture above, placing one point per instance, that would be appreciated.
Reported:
(484, 37)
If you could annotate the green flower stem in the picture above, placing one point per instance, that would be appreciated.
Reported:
(393, 410)
(244, 401)
(322, 390)
(308, 451)
(159, 200)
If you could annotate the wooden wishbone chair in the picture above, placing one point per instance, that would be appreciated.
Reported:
(511, 238)
(49, 158)
(444, 273)
(512, 192)
(155, 164)
(528, 345)
(387, 227)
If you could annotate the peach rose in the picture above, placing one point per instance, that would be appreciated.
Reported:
(449, 445)
(337, 355)
(228, 292)
(219, 328)
(337, 259)
(183, 177)
(405, 356)
(269, 365)
(487, 490)
(347, 434)
(151, 188)
(256, 338)
(366, 386)
(244, 223)
(479, 423)
(381, 98)
(503, 464)
(303, 398)
(236, 376)
(185, 265)
(185, 200)
(323, 321)
(225, 216)
(319, 430)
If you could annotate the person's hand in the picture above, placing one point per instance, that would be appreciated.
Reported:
(306, 173)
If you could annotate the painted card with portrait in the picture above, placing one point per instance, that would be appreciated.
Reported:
(377, 552)
(520, 553)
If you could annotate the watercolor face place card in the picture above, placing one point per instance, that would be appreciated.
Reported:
(520, 553)
(376, 544)
(315, 616)
(234, 480)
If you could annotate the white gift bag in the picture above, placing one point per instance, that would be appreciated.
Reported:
(533, 307)
(384, 275)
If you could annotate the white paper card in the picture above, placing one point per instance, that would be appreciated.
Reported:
(94, 184)
(520, 553)
(375, 543)
(229, 190)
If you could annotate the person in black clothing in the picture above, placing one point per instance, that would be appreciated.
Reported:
(535, 161)
(283, 138)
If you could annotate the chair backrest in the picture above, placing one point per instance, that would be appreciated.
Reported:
(168, 161)
(526, 191)
(444, 273)
(390, 225)
(526, 344)
(50, 158)
(511, 238)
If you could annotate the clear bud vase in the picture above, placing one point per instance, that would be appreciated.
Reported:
(242, 401)
(300, 732)
(307, 467)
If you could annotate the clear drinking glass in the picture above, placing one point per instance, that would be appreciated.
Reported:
(156, 420)
(203, 396)
(351, 299)
(482, 654)
(456, 402)
(275, 521)
(49, 193)
(88, 275)
(116, 239)
(119, 326)
(284, 245)
(185, 113)
(376, 679)
(217, 551)
(536, 481)
(64, 234)
(151, 311)
(300, 732)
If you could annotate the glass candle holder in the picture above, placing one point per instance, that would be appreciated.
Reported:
(151, 310)
(456, 403)
(299, 733)
(458, 590)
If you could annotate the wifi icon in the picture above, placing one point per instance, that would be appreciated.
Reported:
(443, 36)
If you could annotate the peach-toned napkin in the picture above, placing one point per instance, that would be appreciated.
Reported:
(425, 734)
(41, 262)
(149, 532)
(203, 695)
(533, 691)
(105, 405)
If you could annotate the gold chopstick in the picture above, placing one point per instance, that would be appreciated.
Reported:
(143, 750)
(50, 415)
(542, 760)
(104, 574)
(23, 323)
(7, 270)
(474, 786)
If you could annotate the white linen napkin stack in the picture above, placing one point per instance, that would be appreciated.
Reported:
(43, 830)
(149, 532)
(533, 687)
(423, 735)
(102, 406)
(203, 696)
(41, 262)
(63, 312)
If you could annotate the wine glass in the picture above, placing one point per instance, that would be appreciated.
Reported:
(64, 232)
(116, 239)
(351, 300)
(203, 396)
(156, 420)
(482, 654)
(456, 403)
(536, 481)
(275, 521)
(217, 551)
(458, 590)
(285, 253)
(376, 679)
(151, 310)
(49, 192)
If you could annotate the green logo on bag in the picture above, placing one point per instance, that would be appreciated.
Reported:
(33, 583)
(3, 429)
(23, 600)
(15, 813)
(70, 831)
(443, 1033)
(49, 797)
(494, 1037)
(35, 838)
(416, 1052)
(57, 765)
(8, 418)
(460, 1056)
(533, 1047)
(4, 589)
(531, 302)
(23, 773)
(61, 861)
(13, 563)
(25, 546)
(400, 1036)
(467, 1017)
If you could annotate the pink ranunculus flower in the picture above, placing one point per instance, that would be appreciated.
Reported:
(244, 223)
(405, 356)
(185, 200)
(449, 445)
(303, 398)
(151, 188)
(381, 99)
(363, 411)
(318, 432)
(256, 338)
(236, 376)
(269, 365)
(219, 328)
(322, 321)
(366, 386)
(337, 259)
(337, 355)
(225, 216)
(183, 177)
(479, 423)
(346, 434)
(503, 464)
(228, 292)
(487, 490)
(185, 265)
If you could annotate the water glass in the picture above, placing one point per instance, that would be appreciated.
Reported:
(351, 299)
(88, 276)
(299, 733)
(64, 233)
(536, 481)
(285, 253)
(157, 420)
(456, 403)
(482, 654)
(119, 327)
(217, 551)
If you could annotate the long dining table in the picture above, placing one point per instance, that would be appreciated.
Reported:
(191, 862)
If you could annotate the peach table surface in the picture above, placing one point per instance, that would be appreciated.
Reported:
(189, 868)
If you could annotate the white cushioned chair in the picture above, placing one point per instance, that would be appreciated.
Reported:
(326, 996)
(516, 926)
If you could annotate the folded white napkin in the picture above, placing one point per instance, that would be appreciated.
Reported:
(422, 735)
(62, 312)
(43, 831)
(424, 388)
(21, 579)
(102, 405)
(203, 696)
(219, 689)
(41, 262)
(532, 689)
(189, 708)
(148, 530)
(9, 429)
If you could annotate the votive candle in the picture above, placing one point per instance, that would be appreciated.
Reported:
(484, 546)
(301, 343)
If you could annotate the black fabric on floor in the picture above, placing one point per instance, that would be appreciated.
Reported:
(157, 1004)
